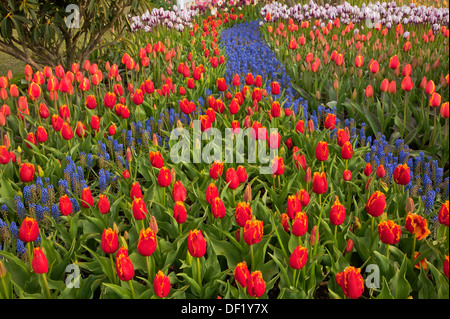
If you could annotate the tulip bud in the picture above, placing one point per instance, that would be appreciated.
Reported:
(248, 193)
(349, 246)
(409, 205)
(312, 238)
(2, 270)
(153, 224)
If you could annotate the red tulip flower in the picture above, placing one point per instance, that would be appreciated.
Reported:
(337, 213)
(103, 204)
(211, 192)
(39, 262)
(147, 242)
(417, 225)
(161, 285)
(443, 214)
(135, 191)
(389, 232)
(65, 205)
(218, 208)
(232, 178)
(179, 212)
(29, 230)
(164, 177)
(298, 257)
(156, 159)
(351, 282)
(139, 208)
(243, 213)
(179, 192)
(322, 151)
(124, 265)
(241, 274)
(256, 286)
(87, 200)
(26, 172)
(376, 204)
(407, 84)
(241, 173)
(110, 241)
(402, 174)
(299, 224)
(319, 183)
(196, 243)
(347, 151)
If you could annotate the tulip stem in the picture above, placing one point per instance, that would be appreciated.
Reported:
(112, 267)
(294, 278)
(46, 286)
(149, 268)
(30, 256)
(132, 290)
(414, 248)
(253, 258)
(199, 272)
(4, 288)
(335, 232)
(404, 114)
(387, 251)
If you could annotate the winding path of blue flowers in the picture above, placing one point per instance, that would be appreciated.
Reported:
(247, 53)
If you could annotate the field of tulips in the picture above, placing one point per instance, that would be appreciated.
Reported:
(316, 164)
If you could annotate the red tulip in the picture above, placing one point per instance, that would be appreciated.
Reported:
(389, 232)
(407, 84)
(380, 171)
(65, 205)
(445, 266)
(444, 110)
(394, 62)
(26, 172)
(41, 134)
(417, 225)
(179, 192)
(86, 198)
(256, 286)
(322, 151)
(124, 265)
(299, 224)
(275, 88)
(196, 243)
(232, 178)
(161, 285)
(103, 204)
(253, 231)
(241, 274)
(147, 242)
(39, 262)
(156, 159)
(435, 100)
(277, 166)
(351, 282)
(330, 121)
(337, 213)
(164, 177)
(243, 213)
(347, 151)
(241, 173)
(66, 131)
(216, 170)
(402, 174)
(298, 257)
(359, 61)
(110, 241)
(211, 192)
(29, 230)
(376, 204)
(135, 191)
(179, 212)
(139, 208)
(218, 208)
(443, 214)
(221, 84)
(319, 183)
(347, 175)
(368, 169)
